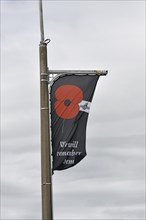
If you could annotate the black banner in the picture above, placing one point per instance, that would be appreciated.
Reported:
(71, 97)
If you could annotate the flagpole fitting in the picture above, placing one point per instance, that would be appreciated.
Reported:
(45, 42)
(44, 74)
(101, 72)
(44, 80)
(44, 108)
(46, 184)
(44, 77)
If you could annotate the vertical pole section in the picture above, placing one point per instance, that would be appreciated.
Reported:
(46, 171)
(41, 20)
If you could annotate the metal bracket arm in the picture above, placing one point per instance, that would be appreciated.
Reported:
(97, 72)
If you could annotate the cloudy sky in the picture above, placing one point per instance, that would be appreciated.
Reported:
(109, 182)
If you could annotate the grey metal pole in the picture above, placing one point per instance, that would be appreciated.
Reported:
(46, 171)
(41, 20)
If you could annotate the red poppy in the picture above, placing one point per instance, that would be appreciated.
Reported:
(68, 97)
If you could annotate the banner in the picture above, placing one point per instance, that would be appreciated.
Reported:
(71, 97)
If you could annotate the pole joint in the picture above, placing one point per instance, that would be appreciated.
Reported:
(43, 184)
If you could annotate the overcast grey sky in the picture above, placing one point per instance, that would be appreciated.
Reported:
(110, 182)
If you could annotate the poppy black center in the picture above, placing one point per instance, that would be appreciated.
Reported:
(67, 102)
